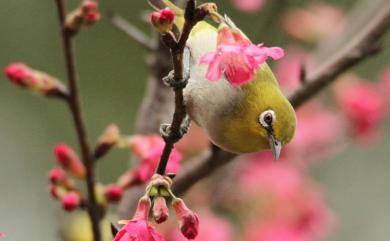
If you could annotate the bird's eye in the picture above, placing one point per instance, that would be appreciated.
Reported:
(267, 118)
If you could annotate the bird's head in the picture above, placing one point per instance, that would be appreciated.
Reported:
(270, 115)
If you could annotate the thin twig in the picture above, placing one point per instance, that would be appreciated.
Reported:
(133, 32)
(177, 53)
(75, 108)
(359, 49)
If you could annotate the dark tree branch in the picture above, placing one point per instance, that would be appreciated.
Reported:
(361, 48)
(201, 167)
(75, 108)
(364, 45)
(192, 17)
(133, 32)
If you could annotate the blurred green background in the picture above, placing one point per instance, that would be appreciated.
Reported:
(112, 72)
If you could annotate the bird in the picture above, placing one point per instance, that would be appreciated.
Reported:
(252, 117)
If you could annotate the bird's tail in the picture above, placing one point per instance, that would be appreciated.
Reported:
(179, 12)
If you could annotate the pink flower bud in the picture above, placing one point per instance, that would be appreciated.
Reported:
(143, 207)
(17, 72)
(188, 220)
(113, 193)
(69, 160)
(85, 15)
(160, 210)
(56, 175)
(71, 201)
(92, 17)
(22, 75)
(89, 6)
(163, 20)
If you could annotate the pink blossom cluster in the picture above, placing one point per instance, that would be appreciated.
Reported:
(139, 227)
(63, 187)
(288, 206)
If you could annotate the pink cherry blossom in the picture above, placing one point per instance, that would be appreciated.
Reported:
(319, 133)
(287, 206)
(2, 235)
(188, 220)
(363, 106)
(149, 149)
(138, 228)
(261, 172)
(317, 21)
(249, 6)
(236, 57)
(288, 69)
(271, 232)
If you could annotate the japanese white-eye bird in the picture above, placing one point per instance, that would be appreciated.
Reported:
(248, 118)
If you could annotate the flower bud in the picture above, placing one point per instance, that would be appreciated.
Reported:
(109, 138)
(89, 6)
(143, 207)
(71, 201)
(188, 220)
(163, 20)
(25, 77)
(56, 175)
(69, 160)
(160, 210)
(18, 73)
(113, 193)
(92, 17)
(85, 15)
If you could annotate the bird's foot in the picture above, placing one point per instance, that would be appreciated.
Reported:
(174, 136)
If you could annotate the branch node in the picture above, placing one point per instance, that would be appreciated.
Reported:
(170, 136)
(170, 81)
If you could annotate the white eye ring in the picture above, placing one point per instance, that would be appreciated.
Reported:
(265, 114)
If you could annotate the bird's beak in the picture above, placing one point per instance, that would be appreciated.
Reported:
(276, 146)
